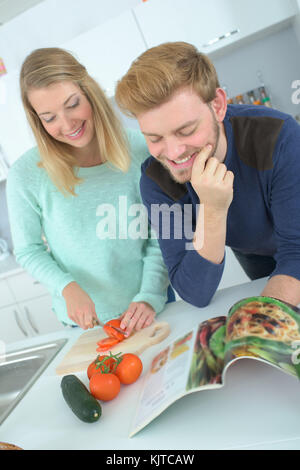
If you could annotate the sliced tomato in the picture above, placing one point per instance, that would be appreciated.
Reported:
(106, 344)
(111, 331)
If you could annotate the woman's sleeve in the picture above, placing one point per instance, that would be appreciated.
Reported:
(25, 218)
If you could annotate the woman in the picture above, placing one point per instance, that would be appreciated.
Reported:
(83, 167)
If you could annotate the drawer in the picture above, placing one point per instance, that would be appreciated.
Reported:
(6, 297)
(24, 286)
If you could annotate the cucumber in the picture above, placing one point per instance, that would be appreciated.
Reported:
(79, 399)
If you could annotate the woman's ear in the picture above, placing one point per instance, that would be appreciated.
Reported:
(219, 104)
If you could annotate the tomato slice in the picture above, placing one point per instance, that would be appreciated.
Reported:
(111, 331)
(106, 344)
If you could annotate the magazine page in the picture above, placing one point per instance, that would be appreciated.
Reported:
(208, 355)
(192, 362)
(165, 381)
(265, 329)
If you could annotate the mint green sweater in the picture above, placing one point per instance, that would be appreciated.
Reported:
(86, 239)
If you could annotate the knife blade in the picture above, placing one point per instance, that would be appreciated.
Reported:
(100, 323)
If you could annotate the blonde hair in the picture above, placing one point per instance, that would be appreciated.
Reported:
(162, 70)
(51, 65)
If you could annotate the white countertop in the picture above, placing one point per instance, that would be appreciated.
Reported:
(258, 408)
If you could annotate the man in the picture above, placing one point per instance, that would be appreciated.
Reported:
(240, 163)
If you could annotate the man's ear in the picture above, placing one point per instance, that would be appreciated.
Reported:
(219, 104)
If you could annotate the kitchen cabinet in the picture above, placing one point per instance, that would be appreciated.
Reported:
(25, 309)
(11, 325)
(39, 315)
(210, 26)
(108, 50)
(6, 297)
(23, 287)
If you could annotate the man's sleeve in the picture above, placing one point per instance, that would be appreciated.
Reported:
(193, 277)
(285, 201)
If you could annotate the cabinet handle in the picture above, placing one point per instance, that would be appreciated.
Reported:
(19, 323)
(30, 321)
(220, 38)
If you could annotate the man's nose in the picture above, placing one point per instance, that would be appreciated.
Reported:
(174, 149)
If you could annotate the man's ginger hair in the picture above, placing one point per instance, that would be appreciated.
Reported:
(159, 72)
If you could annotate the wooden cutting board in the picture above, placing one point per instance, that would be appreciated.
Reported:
(83, 351)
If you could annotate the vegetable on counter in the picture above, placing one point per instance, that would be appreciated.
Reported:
(108, 372)
(114, 337)
(106, 344)
(104, 386)
(129, 369)
(79, 399)
(103, 363)
(111, 332)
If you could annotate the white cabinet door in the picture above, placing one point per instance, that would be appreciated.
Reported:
(193, 21)
(108, 50)
(24, 286)
(39, 315)
(209, 25)
(6, 297)
(12, 327)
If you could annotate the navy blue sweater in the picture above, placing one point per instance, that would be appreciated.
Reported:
(264, 217)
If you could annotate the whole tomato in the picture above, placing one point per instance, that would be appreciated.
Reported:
(104, 386)
(129, 369)
(101, 364)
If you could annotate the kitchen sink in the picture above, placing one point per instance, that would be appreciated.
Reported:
(20, 369)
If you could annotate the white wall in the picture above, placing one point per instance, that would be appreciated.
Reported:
(52, 23)
(297, 23)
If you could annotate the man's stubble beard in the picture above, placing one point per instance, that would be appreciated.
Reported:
(183, 176)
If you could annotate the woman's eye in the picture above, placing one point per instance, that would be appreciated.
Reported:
(74, 104)
(49, 120)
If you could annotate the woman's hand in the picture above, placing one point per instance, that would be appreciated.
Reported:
(137, 316)
(80, 307)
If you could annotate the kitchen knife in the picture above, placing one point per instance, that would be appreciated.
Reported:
(100, 323)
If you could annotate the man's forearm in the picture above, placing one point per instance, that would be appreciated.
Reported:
(285, 288)
(210, 234)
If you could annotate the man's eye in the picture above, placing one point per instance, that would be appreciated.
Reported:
(187, 133)
(155, 140)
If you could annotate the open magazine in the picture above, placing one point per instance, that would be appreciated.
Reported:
(260, 328)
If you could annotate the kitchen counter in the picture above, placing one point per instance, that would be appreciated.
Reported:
(258, 407)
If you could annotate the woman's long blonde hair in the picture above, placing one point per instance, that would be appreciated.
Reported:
(51, 65)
